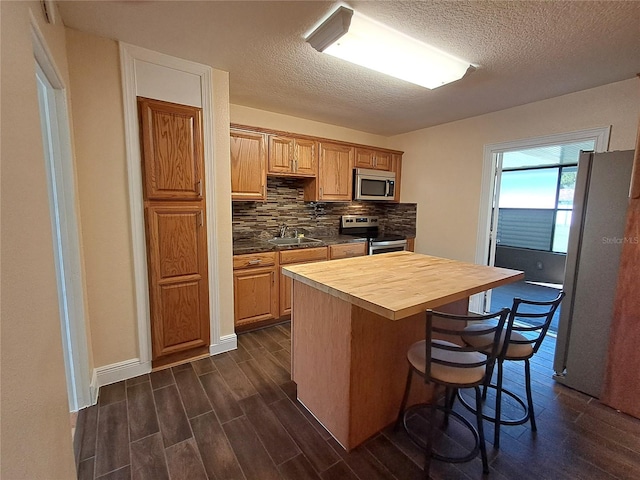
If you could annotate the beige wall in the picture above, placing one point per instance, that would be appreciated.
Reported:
(35, 432)
(277, 121)
(96, 98)
(442, 165)
(96, 101)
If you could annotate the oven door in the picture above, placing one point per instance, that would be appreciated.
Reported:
(386, 247)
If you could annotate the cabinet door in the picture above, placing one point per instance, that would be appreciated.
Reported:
(255, 294)
(375, 159)
(347, 250)
(396, 166)
(172, 150)
(335, 172)
(306, 157)
(178, 279)
(364, 158)
(296, 257)
(382, 161)
(248, 166)
(280, 154)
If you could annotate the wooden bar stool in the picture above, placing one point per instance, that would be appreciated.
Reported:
(526, 328)
(443, 360)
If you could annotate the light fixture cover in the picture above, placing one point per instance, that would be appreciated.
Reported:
(353, 37)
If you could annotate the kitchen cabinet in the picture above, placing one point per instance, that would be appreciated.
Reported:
(248, 165)
(292, 156)
(346, 250)
(374, 159)
(172, 152)
(255, 288)
(335, 172)
(175, 230)
(295, 257)
(396, 167)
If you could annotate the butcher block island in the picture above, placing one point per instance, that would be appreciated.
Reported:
(353, 321)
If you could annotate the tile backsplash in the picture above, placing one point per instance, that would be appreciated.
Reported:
(285, 204)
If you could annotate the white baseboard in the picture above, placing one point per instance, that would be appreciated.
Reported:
(116, 372)
(93, 387)
(226, 344)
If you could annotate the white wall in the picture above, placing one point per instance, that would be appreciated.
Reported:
(442, 165)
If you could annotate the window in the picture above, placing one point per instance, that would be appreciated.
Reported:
(536, 197)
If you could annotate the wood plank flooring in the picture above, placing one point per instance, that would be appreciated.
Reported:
(235, 416)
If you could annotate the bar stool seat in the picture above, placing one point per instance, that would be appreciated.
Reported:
(533, 319)
(451, 365)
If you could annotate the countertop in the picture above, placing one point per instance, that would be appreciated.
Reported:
(256, 245)
(399, 284)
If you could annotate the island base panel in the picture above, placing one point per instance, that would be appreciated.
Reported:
(350, 364)
(320, 338)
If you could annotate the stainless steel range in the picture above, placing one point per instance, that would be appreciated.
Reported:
(367, 226)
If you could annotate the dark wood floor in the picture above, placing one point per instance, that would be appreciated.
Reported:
(235, 416)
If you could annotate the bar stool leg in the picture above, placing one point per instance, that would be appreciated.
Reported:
(428, 450)
(405, 398)
(527, 374)
(496, 434)
(483, 446)
(486, 385)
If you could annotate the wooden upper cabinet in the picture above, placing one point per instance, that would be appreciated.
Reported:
(335, 172)
(248, 166)
(280, 154)
(396, 166)
(292, 156)
(173, 162)
(374, 159)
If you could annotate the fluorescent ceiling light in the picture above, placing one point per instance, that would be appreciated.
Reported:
(353, 37)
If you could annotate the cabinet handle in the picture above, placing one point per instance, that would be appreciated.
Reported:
(375, 161)
(320, 192)
(273, 278)
(255, 261)
(200, 219)
(350, 252)
(199, 187)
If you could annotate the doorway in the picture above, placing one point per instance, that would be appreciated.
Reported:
(526, 213)
(54, 122)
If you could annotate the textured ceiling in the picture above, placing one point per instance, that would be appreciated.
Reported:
(525, 51)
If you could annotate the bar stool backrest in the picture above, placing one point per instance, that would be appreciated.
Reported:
(437, 331)
(532, 320)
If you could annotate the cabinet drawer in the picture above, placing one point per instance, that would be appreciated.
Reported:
(346, 250)
(303, 255)
(254, 260)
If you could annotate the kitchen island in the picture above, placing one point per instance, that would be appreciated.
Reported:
(353, 321)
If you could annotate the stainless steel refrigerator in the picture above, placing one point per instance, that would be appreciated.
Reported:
(591, 272)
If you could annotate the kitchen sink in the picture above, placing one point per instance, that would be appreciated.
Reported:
(293, 241)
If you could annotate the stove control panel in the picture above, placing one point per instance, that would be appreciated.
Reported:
(358, 221)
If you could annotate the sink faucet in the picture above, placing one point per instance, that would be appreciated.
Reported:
(283, 230)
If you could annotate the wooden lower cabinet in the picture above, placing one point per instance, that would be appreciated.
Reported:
(295, 257)
(262, 294)
(347, 250)
(411, 244)
(255, 289)
(178, 280)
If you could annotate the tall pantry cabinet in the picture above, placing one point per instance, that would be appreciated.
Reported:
(176, 233)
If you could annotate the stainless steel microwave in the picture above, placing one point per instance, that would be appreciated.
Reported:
(373, 184)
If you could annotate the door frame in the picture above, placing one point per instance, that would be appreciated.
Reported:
(61, 184)
(485, 249)
(200, 75)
